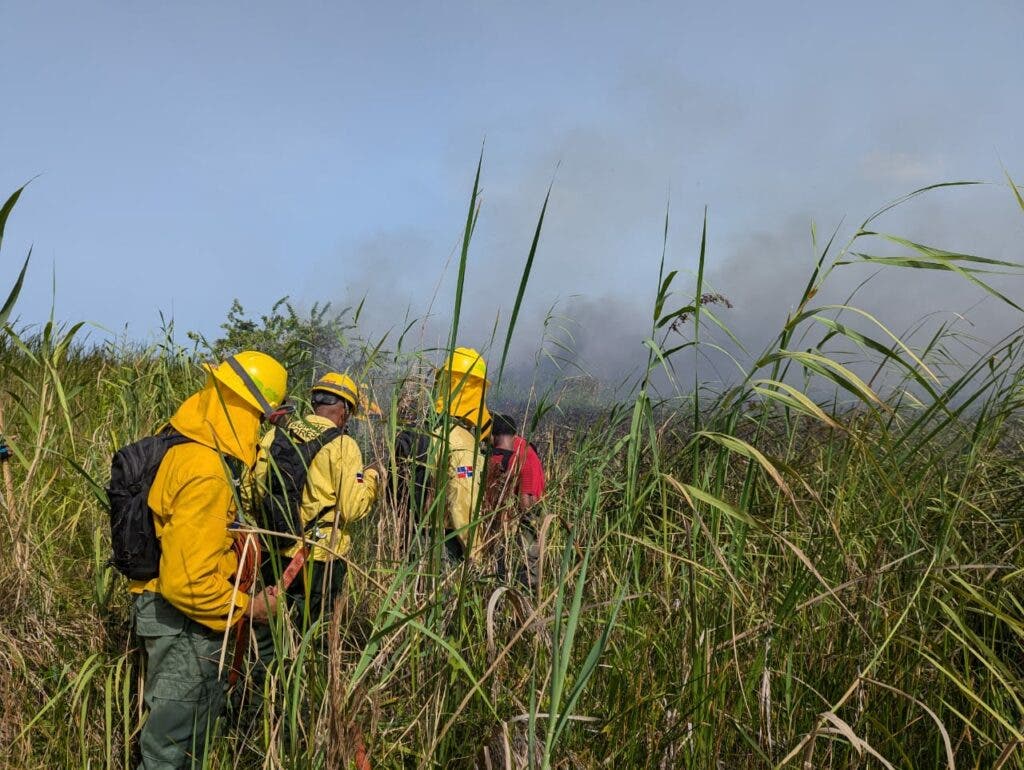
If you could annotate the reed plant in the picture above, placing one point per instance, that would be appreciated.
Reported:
(798, 570)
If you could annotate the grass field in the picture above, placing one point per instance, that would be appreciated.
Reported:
(797, 571)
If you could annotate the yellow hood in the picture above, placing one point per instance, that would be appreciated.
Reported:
(465, 400)
(220, 419)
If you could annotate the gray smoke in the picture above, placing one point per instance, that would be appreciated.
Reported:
(589, 303)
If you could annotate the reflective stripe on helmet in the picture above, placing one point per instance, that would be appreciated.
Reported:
(334, 387)
(238, 369)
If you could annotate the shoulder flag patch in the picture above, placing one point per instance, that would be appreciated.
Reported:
(464, 472)
(359, 478)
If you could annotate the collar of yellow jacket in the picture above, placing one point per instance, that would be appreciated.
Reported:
(310, 426)
(464, 400)
(220, 419)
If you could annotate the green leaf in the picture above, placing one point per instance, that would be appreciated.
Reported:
(1016, 192)
(794, 399)
(527, 269)
(5, 211)
(833, 371)
(5, 311)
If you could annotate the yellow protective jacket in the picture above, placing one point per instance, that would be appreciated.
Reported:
(464, 467)
(465, 402)
(193, 504)
(338, 491)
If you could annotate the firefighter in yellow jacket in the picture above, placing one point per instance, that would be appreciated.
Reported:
(338, 491)
(182, 614)
(461, 389)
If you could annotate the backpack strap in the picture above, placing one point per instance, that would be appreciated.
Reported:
(307, 451)
(315, 521)
(172, 437)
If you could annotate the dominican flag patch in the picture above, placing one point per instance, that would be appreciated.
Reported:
(359, 478)
(464, 472)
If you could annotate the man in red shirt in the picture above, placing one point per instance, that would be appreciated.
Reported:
(518, 462)
(516, 470)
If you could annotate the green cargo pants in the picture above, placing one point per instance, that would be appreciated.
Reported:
(183, 692)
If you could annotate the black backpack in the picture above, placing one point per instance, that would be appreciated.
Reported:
(132, 532)
(412, 447)
(278, 509)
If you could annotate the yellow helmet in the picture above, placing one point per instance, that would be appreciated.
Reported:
(466, 361)
(340, 385)
(256, 377)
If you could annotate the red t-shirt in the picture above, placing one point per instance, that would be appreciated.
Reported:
(526, 461)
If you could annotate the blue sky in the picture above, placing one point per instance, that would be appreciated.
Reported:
(191, 153)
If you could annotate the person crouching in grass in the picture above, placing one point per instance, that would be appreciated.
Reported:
(518, 475)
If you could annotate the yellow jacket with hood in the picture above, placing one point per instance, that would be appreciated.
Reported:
(467, 409)
(338, 491)
(193, 502)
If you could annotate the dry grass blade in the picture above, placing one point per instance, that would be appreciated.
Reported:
(946, 742)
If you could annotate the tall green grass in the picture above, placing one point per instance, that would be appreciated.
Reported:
(797, 571)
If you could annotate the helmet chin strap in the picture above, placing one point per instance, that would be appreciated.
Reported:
(281, 412)
(344, 419)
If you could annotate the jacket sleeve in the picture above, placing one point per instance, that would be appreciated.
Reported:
(357, 490)
(465, 464)
(196, 547)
